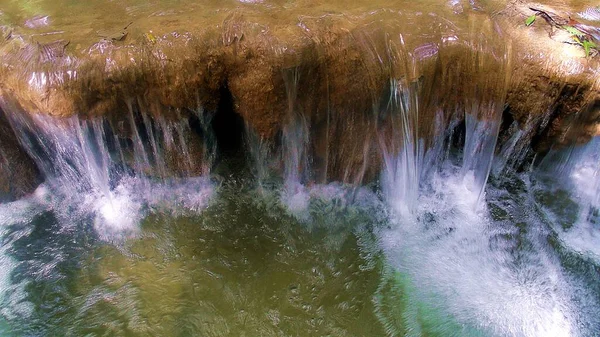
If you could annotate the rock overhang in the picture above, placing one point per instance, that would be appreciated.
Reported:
(320, 60)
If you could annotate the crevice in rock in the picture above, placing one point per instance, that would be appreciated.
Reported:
(505, 124)
(457, 136)
(228, 126)
(565, 111)
(229, 133)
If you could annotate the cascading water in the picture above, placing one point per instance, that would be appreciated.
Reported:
(449, 240)
(465, 270)
(90, 166)
(574, 214)
(468, 257)
(402, 172)
(459, 263)
(295, 143)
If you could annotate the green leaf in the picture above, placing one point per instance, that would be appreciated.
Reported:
(530, 20)
(587, 45)
(573, 31)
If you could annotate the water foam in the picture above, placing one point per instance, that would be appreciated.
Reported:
(581, 167)
(117, 171)
(447, 248)
(453, 258)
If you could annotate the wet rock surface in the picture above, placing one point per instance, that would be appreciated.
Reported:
(554, 87)
(329, 69)
(18, 173)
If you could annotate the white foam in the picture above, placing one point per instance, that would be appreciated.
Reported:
(296, 197)
(117, 214)
(584, 239)
(585, 180)
(445, 247)
(584, 183)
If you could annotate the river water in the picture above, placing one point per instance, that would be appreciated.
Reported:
(145, 227)
(229, 255)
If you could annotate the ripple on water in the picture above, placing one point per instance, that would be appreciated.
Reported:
(240, 262)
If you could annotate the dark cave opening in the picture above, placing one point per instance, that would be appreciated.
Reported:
(228, 127)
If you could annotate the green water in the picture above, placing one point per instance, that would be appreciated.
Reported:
(242, 267)
(246, 265)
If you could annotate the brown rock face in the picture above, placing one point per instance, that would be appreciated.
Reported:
(18, 173)
(554, 85)
(343, 75)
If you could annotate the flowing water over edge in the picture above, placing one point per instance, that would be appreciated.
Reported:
(522, 263)
(130, 236)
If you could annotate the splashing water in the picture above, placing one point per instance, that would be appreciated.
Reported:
(90, 165)
(452, 265)
(450, 252)
(110, 243)
(579, 232)
(466, 274)
(97, 187)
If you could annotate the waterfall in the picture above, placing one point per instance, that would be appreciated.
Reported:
(401, 173)
(453, 255)
(451, 252)
(271, 168)
(295, 148)
(480, 143)
(581, 165)
(575, 221)
(72, 153)
(511, 153)
(116, 169)
(260, 157)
